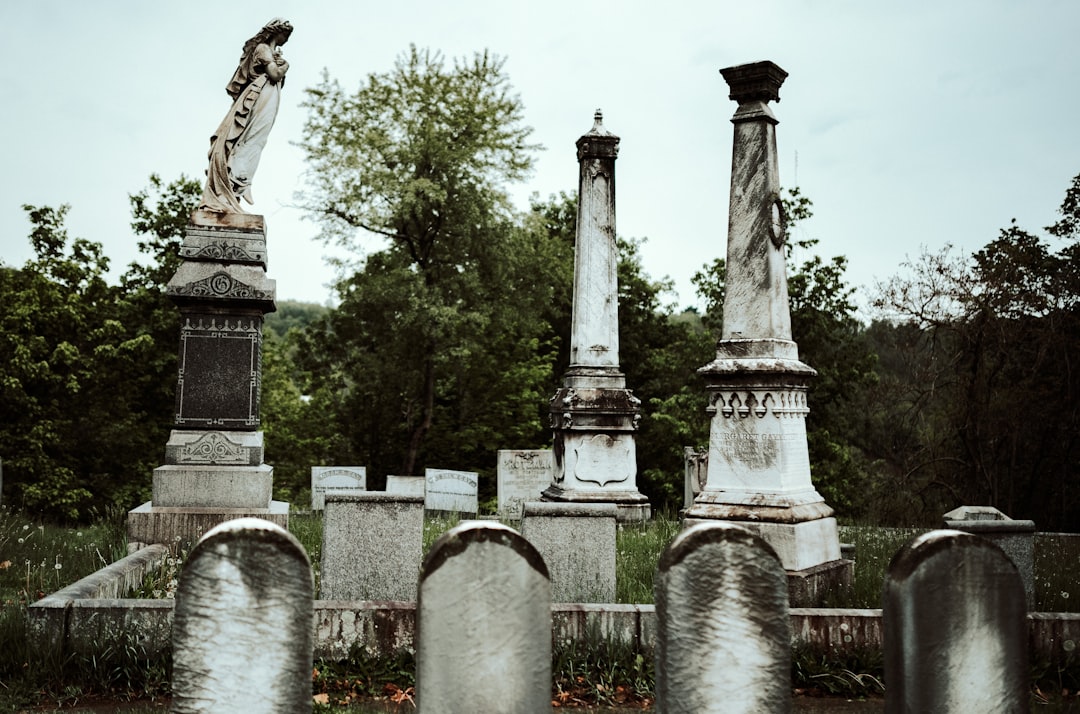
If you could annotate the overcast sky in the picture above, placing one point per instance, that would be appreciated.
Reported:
(909, 124)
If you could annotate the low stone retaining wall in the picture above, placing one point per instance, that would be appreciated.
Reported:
(87, 616)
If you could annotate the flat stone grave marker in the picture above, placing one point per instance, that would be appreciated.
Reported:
(242, 636)
(451, 491)
(347, 479)
(523, 474)
(372, 545)
(577, 542)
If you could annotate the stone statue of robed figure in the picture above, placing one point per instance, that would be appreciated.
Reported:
(237, 144)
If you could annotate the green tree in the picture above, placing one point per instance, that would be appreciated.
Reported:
(421, 156)
(983, 344)
(87, 393)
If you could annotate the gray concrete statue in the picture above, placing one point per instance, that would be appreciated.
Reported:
(237, 144)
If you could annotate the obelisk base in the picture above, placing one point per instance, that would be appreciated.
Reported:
(595, 453)
(631, 506)
(184, 526)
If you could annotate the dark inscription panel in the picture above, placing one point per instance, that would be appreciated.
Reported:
(220, 365)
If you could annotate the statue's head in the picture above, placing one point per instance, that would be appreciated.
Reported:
(276, 28)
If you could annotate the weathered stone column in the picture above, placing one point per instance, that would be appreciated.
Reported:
(214, 468)
(759, 467)
(594, 415)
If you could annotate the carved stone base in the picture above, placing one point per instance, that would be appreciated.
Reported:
(213, 486)
(632, 507)
(184, 526)
(799, 545)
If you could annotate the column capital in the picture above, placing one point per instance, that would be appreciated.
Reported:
(598, 142)
(757, 81)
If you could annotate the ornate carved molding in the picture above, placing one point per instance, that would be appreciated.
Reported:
(213, 448)
(791, 403)
(220, 285)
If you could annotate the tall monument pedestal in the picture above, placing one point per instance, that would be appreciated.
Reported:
(759, 467)
(593, 415)
(214, 468)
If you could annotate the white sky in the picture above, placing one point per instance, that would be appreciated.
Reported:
(914, 124)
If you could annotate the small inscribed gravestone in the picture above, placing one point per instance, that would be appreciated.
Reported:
(483, 624)
(955, 627)
(405, 485)
(450, 491)
(724, 637)
(348, 479)
(245, 591)
(696, 473)
(523, 475)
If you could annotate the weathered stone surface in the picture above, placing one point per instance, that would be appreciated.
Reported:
(372, 546)
(242, 636)
(1015, 537)
(348, 479)
(213, 486)
(724, 640)
(593, 415)
(577, 542)
(594, 337)
(522, 475)
(237, 144)
(376, 628)
(798, 545)
(451, 491)
(484, 624)
(246, 223)
(150, 524)
(758, 463)
(955, 635)
(221, 245)
(406, 485)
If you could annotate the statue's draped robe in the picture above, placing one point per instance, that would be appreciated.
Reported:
(237, 144)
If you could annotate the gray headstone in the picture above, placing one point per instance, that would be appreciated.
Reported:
(451, 491)
(724, 639)
(242, 635)
(406, 485)
(577, 542)
(523, 474)
(696, 472)
(1015, 537)
(955, 628)
(483, 624)
(372, 546)
(347, 479)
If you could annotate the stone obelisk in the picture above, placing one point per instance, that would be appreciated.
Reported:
(759, 467)
(214, 468)
(594, 415)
